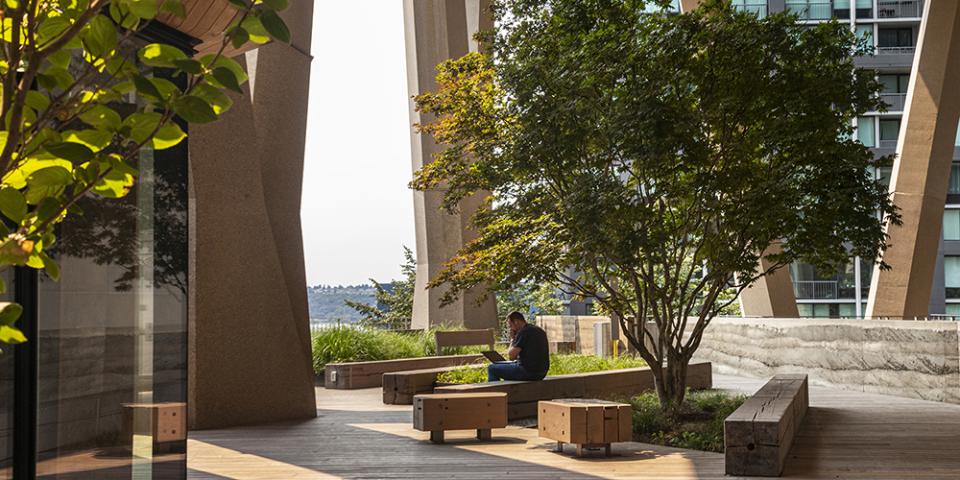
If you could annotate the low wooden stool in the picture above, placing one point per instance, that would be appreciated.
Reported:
(438, 412)
(588, 423)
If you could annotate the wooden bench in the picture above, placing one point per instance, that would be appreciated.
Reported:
(464, 338)
(438, 413)
(758, 435)
(399, 388)
(522, 396)
(370, 374)
(587, 423)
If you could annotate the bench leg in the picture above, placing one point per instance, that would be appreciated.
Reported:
(607, 450)
(436, 436)
(559, 448)
(579, 449)
(484, 434)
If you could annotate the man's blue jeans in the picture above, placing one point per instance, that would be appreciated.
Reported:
(509, 371)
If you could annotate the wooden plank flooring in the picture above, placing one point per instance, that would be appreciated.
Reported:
(845, 435)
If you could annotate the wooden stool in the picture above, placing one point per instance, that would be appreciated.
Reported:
(436, 413)
(587, 423)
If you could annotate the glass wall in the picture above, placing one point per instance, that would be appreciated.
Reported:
(951, 224)
(866, 131)
(113, 333)
(951, 273)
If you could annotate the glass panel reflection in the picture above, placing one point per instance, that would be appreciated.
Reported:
(113, 333)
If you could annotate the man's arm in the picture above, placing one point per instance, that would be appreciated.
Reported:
(514, 352)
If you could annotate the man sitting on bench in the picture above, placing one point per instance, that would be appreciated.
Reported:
(528, 351)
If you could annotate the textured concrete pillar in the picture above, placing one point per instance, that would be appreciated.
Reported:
(250, 359)
(437, 30)
(922, 168)
(771, 295)
(687, 5)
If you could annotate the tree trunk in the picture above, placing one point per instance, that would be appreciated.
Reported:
(671, 384)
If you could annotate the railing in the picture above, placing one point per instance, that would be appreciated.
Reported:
(811, 10)
(757, 8)
(895, 101)
(896, 50)
(899, 8)
(887, 144)
(816, 289)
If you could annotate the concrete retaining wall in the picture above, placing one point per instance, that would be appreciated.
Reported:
(904, 358)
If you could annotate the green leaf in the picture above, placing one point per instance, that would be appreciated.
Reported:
(95, 140)
(145, 9)
(226, 78)
(11, 335)
(255, 29)
(169, 135)
(275, 26)
(142, 124)
(146, 88)
(161, 55)
(74, 152)
(194, 109)
(13, 204)
(278, 5)
(100, 37)
(189, 65)
(50, 177)
(175, 7)
(216, 97)
(116, 183)
(101, 118)
(239, 36)
(50, 266)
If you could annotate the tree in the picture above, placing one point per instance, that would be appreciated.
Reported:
(661, 155)
(528, 298)
(82, 94)
(394, 307)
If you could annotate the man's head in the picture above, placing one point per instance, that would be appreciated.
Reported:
(516, 321)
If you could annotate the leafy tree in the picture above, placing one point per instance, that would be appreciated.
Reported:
(660, 155)
(82, 94)
(394, 307)
(528, 298)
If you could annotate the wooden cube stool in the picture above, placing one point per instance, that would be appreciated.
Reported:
(436, 413)
(587, 423)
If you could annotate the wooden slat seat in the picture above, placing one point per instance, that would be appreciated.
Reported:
(758, 435)
(522, 396)
(370, 374)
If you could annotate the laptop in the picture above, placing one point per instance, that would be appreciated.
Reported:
(494, 356)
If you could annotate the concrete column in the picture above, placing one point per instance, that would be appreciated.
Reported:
(922, 168)
(771, 295)
(249, 343)
(438, 30)
(688, 5)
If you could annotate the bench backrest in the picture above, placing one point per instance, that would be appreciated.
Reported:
(464, 338)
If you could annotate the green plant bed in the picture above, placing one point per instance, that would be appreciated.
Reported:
(343, 343)
(560, 364)
(698, 426)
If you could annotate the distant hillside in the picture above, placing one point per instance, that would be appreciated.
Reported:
(327, 302)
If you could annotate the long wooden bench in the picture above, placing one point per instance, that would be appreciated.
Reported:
(399, 388)
(370, 374)
(522, 397)
(758, 435)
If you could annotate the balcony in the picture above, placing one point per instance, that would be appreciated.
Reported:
(899, 8)
(811, 10)
(757, 8)
(895, 101)
(816, 289)
(896, 50)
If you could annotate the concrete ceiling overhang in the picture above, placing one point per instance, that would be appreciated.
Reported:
(205, 21)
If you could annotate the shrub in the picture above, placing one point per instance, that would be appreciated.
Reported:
(559, 365)
(345, 343)
(697, 426)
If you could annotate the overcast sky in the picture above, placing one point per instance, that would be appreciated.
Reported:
(357, 211)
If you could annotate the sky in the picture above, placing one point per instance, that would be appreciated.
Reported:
(357, 211)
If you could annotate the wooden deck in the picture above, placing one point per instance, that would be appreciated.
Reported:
(846, 435)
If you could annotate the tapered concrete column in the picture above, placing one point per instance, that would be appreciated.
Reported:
(438, 30)
(771, 295)
(249, 340)
(687, 5)
(922, 167)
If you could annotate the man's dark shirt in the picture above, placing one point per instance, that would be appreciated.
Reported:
(534, 353)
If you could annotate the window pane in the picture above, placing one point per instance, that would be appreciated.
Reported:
(889, 130)
(805, 310)
(848, 310)
(838, 4)
(951, 224)
(865, 31)
(865, 131)
(864, 3)
(953, 309)
(951, 273)
(890, 83)
(954, 187)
